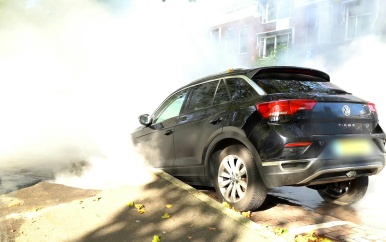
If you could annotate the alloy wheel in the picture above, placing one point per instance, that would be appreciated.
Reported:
(232, 178)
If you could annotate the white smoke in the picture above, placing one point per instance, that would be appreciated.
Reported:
(76, 75)
(362, 74)
(361, 71)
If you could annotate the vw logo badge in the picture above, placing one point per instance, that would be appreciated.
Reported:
(346, 110)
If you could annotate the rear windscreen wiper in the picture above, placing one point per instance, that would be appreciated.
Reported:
(337, 91)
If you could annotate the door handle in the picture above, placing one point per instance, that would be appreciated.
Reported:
(167, 132)
(183, 118)
(216, 121)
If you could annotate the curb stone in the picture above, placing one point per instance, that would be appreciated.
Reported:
(260, 229)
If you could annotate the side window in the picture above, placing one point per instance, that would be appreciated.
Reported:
(222, 94)
(202, 96)
(239, 89)
(171, 107)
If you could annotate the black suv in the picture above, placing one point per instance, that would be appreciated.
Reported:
(247, 130)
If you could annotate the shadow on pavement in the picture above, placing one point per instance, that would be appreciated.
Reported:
(189, 220)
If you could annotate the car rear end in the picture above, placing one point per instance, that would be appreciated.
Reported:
(313, 132)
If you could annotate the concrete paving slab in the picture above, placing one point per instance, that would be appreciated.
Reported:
(53, 212)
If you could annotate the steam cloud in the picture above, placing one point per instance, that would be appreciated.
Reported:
(75, 76)
(361, 74)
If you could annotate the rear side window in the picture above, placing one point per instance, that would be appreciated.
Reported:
(222, 94)
(239, 89)
(271, 86)
(202, 96)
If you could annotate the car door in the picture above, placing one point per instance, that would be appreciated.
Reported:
(200, 121)
(156, 140)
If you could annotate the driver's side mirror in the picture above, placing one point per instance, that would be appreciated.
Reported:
(145, 119)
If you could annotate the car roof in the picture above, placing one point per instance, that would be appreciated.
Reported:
(266, 71)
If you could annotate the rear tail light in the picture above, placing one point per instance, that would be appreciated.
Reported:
(295, 149)
(284, 107)
(372, 107)
(297, 144)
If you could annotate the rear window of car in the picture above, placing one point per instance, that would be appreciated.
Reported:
(271, 86)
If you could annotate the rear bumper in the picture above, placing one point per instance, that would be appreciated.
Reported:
(319, 171)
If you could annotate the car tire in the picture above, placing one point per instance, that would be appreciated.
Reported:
(345, 193)
(237, 180)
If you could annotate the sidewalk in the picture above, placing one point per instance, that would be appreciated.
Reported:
(302, 221)
(52, 212)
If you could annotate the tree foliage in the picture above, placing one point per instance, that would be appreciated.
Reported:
(277, 56)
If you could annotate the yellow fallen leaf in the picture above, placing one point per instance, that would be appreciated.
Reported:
(141, 211)
(156, 238)
(280, 231)
(169, 205)
(211, 228)
(166, 215)
(139, 206)
(247, 214)
(226, 204)
(130, 204)
(15, 204)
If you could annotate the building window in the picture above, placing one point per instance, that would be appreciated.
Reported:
(312, 25)
(230, 40)
(271, 10)
(243, 40)
(320, 24)
(215, 36)
(271, 45)
(324, 22)
(359, 17)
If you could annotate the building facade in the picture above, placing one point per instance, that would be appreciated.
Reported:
(286, 31)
